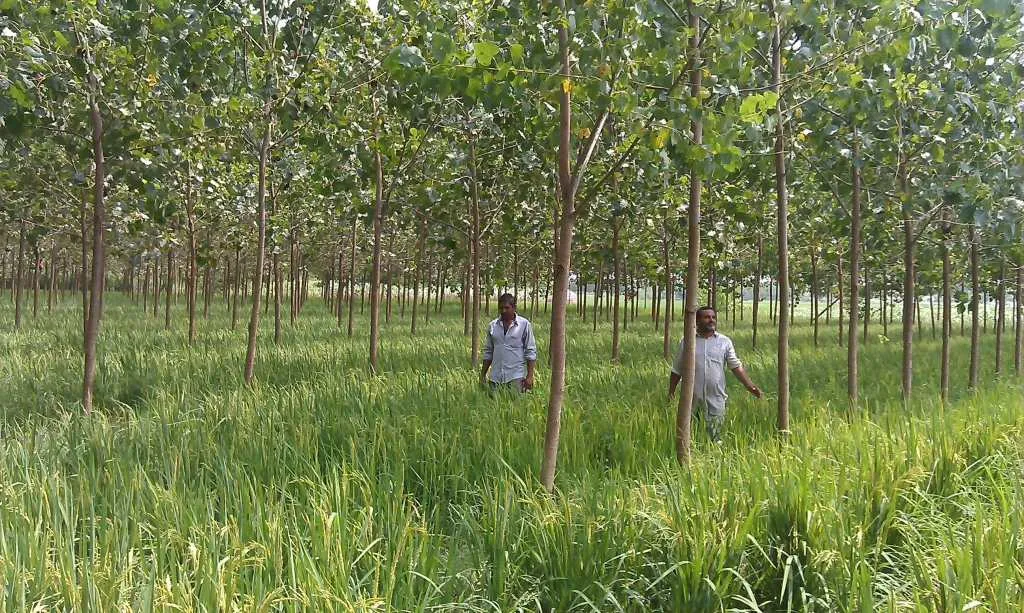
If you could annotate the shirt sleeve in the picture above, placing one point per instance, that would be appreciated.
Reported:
(677, 364)
(488, 344)
(529, 344)
(731, 360)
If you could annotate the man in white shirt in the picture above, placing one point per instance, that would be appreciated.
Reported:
(510, 350)
(715, 352)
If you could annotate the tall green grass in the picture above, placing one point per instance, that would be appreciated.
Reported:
(327, 489)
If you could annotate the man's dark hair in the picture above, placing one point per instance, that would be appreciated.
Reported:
(704, 308)
(506, 299)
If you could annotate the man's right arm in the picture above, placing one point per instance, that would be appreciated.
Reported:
(677, 367)
(488, 355)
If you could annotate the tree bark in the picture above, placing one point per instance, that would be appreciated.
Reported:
(909, 276)
(475, 254)
(92, 326)
(375, 273)
(947, 307)
(782, 200)
(261, 249)
(352, 276)
(19, 275)
(758, 273)
(667, 302)
(1000, 315)
(684, 411)
(975, 328)
(193, 266)
(616, 289)
(1018, 346)
(563, 259)
(852, 349)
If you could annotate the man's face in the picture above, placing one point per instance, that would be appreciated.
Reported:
(707, 321)
(508, 311)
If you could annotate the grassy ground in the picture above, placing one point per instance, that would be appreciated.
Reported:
(327, 489)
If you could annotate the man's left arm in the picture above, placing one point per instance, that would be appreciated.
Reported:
(737, 369)
(530, 353)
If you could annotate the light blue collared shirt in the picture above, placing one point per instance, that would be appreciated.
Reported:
(510, 350)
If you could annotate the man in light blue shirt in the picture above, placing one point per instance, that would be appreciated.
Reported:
(510, 350)
(714, 354)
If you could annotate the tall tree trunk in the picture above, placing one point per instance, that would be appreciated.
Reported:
(193, 255)
(666, 336)
(782, 200)
(35, 280)
(852, 366)
(1000, 315)
(1018, 345)
(276, 265)
(19, 276)
(92, 326)
(909, 295)
(563, 259)
(237, 284)
(169, 289)
(352, 276)
(616, 289)
(758, 273)
(378, 226)
(475, 254)
(339, 306)
(261, 249)
(975, 328)
(947, 307)
(388, 282)
(814, 291)
(416, 279)
(684, 411)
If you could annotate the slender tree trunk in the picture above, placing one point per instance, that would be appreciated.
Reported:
(931, 310)
(1018, 346)
(947, 307)
(1000, 315)
(168, 289)
(339, 305)
(782, 198)
(275, 263)
(684, 411)
(352, 276)
(416, 279)
(616, 289)
(35, 280)
(598, 292)
(814, 291)
(852, 349)
(95, 311)
(563, 260)
(19, 276)
(375, 279)
(758, 273)
(975, 328)
(909, 291)
(237, 285)
(261, 249)
(475, 254)
(666, 337)
(389, 283)
(839, 294)
(193, 255)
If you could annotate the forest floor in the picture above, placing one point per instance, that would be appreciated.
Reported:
(325, 488)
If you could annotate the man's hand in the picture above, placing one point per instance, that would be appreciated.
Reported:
(755, 391)
(528, 383)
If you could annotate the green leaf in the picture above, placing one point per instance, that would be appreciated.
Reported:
(20, 96)
(484, 52)
(516, 51)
